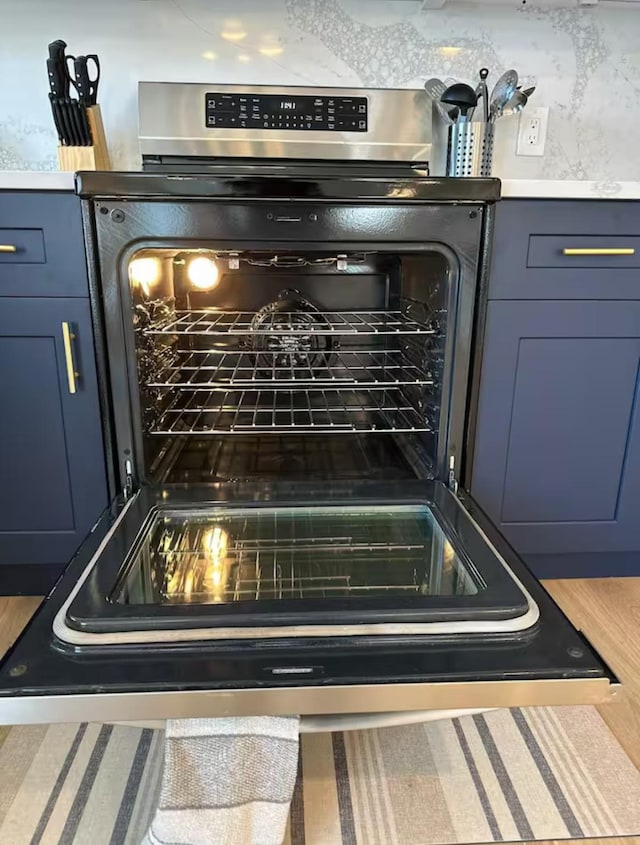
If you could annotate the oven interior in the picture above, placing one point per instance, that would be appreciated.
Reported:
(262, 365)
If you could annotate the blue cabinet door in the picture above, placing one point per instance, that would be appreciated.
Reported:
(557, 450)
(52, 469)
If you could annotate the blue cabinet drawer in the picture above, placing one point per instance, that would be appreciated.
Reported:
(566, 249)
(41, 245)
(580, 252)
(22, 246)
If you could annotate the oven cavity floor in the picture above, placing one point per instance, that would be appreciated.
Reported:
(295, 457)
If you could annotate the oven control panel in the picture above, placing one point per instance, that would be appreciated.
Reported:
(283, 111)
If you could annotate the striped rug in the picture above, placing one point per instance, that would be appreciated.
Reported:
(540, 773)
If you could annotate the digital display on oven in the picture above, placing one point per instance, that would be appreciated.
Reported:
(285, 112)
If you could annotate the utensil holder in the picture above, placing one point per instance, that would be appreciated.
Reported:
(95, 157)
(470, 149)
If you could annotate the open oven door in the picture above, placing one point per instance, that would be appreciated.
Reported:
(251, 599)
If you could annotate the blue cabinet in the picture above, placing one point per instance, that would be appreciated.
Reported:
(52, 463)
(557, 449)
(556, 458)
(51, 449)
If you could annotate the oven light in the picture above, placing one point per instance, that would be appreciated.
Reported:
(144, 272)
(203, 273)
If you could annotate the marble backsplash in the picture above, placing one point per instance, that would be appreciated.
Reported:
(576, 57)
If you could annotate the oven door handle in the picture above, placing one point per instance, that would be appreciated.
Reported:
(68, 336)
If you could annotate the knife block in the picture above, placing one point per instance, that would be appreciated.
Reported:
(95, 157)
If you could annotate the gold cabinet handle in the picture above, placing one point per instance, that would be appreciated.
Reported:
(599, 251)
(67, 337)
(8, 248)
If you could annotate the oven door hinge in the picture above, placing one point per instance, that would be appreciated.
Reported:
(128, 479)
(452, 480)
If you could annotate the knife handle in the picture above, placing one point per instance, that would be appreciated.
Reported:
(56, 50)
(57, 69)
(56, 118)
(86, 84)
(56, 81)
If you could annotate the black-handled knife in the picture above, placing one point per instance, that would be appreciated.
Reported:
(57, 69)
(58, 101)
(57, 118)
(59, 91)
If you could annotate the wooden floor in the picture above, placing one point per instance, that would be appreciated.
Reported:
(607, 610)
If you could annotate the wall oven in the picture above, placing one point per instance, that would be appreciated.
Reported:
(287, 348)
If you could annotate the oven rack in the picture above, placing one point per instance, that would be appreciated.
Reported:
(202, 369)
(210, 322)
(319, 410)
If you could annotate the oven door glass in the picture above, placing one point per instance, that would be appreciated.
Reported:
(293, 599)
(238, 555)
(270, 561)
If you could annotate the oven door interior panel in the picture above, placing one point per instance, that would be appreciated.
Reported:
(443, 624)
(285, 560)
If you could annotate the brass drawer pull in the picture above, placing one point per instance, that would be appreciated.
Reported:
(8, 248)
(600, 251)
(67, 337)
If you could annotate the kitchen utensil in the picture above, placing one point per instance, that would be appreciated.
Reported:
(71, 123)
(435, 88)
(503, 91)
(463, 97)
(77, 123)
(517, 103)
(87, 77)
(59, 92)
(69, 114)
(57, 84)
(470, 150)
(57, 117)
(86, 86)
(482, 93)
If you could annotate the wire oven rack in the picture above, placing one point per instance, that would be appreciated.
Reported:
(226, 373)
(210, 322)
(201, 369)
(320, 410)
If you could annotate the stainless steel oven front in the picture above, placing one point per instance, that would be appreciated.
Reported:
(286, 356)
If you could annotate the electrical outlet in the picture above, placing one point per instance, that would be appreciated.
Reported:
(532, 133)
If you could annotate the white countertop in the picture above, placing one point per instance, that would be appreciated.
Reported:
(556, 189)
(35, 180)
